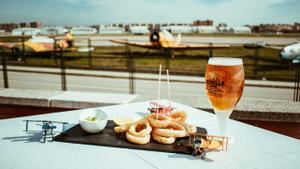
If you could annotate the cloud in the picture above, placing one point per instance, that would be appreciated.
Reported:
(233, 12)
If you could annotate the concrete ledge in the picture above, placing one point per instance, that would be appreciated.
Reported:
(77, 100)
(27, 97)
(60, 99)
(249, 108)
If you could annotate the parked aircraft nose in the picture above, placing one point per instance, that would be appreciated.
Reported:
(283, 55)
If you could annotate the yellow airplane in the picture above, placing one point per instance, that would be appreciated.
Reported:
(37, 44)
(41, 44)
(165, 40)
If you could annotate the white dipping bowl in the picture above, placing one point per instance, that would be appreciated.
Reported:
(93, 126)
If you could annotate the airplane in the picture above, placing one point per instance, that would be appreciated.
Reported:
(47, 127)
(41, 45)
(165, 40)
(288, 52)
(36, 44)
(201, 143)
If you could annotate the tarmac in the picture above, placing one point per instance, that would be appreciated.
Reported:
(104, 40)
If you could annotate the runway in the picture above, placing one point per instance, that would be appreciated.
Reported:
(104, 40)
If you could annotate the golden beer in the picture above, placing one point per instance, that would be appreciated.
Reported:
(224, 79)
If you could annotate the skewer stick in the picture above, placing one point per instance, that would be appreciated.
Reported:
(169, 88)
(158, 92)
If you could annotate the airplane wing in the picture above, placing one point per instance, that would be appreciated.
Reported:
(194, 46)
(171, 46)
(274, 47)
(7, 45)
(35, 47)
(138, 44)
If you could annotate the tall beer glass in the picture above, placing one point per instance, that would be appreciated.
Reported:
(224, 79)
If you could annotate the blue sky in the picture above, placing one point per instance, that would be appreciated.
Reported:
(87, 12)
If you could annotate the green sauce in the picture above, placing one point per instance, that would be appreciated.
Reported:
(92, 119)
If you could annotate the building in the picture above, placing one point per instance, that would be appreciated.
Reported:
(26, 31)
(178, 28)
(240, 30)
(204, 29)
(35, 24)
(276, 28)
(139, 29)
(55, 30)
(8, 27)
(107, 29)
(83, 30)
(24, 25)
(207, 22)
(296, 27)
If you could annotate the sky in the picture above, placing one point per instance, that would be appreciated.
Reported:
(89, 12)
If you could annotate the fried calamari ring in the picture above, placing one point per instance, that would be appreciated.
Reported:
(174, 129)
(163, 140)
(179, 115)
(122, 129)
(188, 127)
(158, 120)
(140, 128)
(138, 140)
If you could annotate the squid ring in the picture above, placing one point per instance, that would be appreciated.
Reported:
(140, 128)
(138, 140)
(122, 129)
(174, 129)
(189, 128)
(158, 120)
(163, 140)
(179, 115)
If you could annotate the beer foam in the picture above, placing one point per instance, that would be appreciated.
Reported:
(225, 61)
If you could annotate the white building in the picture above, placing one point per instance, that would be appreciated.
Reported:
(139, 29)
(204, 29)
(26, 31)
(57, 30)
(111, 30)
(241, 30)
(83, 31)
(179, 29)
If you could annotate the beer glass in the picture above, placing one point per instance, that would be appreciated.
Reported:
(224, 84)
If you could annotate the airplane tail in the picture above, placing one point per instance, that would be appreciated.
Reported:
(178, 39)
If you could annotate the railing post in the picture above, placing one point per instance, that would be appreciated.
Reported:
(297, 81)
(167, 62)
(54, 47)
(256, 54)
(4, 70)
(62, 71)
(210, 50)
(131, 70)
(23, 48)
(90, 52)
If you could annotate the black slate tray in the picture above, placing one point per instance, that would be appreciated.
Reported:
(107, 137)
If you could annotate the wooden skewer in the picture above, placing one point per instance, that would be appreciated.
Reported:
(169, 88)
(158, 92)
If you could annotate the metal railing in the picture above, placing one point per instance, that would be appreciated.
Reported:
(128, 61)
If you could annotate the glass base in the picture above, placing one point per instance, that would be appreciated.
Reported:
(222, 119)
